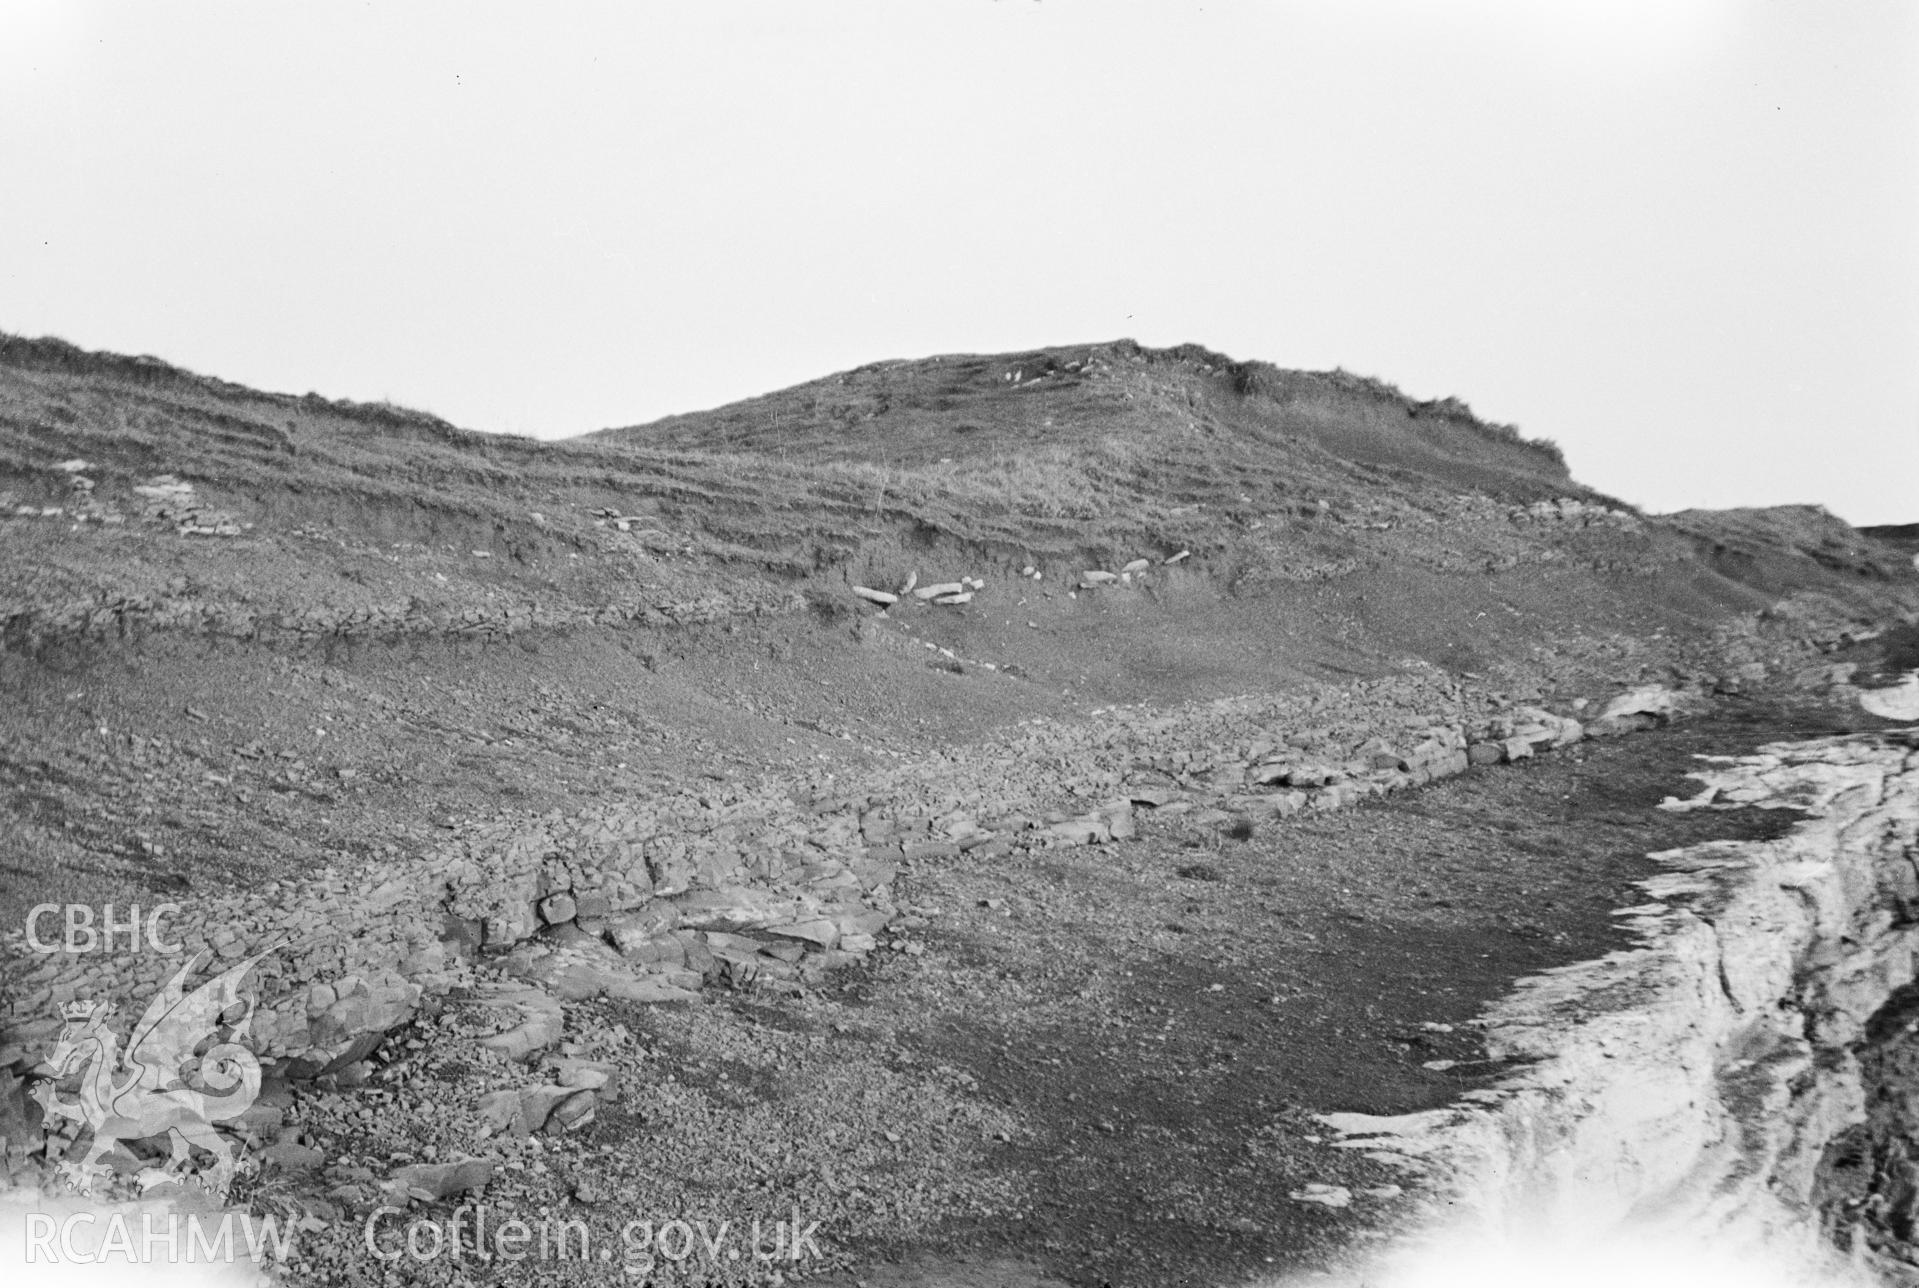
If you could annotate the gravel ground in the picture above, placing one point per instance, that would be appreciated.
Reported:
(1096, 1065)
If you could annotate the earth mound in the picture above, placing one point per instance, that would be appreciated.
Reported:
(852, 795)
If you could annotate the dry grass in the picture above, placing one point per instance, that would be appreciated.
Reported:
(1094, 452)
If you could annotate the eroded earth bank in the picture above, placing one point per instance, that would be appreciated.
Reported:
(983, 813)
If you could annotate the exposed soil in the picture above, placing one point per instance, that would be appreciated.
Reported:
(1092, 1065)
(1163, 1020)
(1168, 1017)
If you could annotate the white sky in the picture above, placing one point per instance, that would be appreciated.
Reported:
(1681, 237)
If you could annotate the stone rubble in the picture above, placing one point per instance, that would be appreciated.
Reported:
(1573, 511)
(430, 1182)
(174, 501)
(767, 886)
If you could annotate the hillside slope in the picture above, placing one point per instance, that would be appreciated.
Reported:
(1064, 459)
(459, 616)
(436, 717)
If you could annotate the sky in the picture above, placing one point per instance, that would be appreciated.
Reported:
(1678, 237)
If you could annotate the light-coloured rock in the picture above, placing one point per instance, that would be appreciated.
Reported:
(1687, 1088)
(602, 1076)
(820, 931)
(588, 969)
(880, 597)
(1332, 1196)
(1075, 831)
(1653, 700)
(939, 588)
(1898, 702)
(537, 1020)
(545, 1108)
(734, 908)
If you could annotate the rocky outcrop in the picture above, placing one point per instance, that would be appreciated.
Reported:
(767, 885)
(1686, 1089)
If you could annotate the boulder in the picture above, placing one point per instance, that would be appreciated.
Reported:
(864, 921)
(368, 1011)
(1614, 726)
(20, 1114)
(1311, 776)
(631, 931)
(1075, 831)
(733, 908)
(510, 924)
(1900, 702)
(1654, 700)
(1543, 729)
(500, 1115)
(293, 1157)
(431, 1182)
(940, 588)
(1332, 1196)
(821, 932)
(536, 1020)
(880, 597)
(545, 1108)
(601, 1076)
(1276, 804)
(579, 971)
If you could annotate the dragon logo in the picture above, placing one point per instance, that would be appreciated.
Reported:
(146, 1091)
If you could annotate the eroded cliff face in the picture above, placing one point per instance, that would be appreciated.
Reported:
(1683, 1094)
